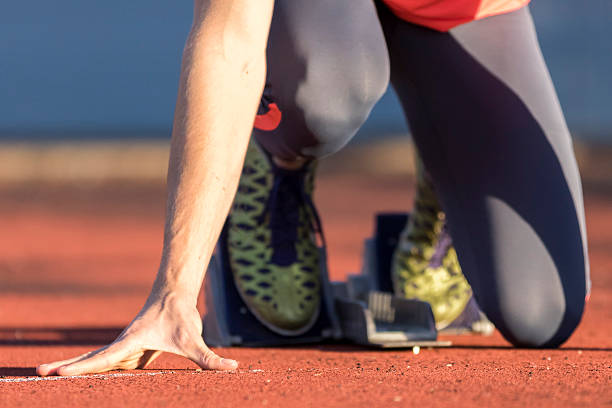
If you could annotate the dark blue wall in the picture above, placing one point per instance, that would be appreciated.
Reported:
(99, 66)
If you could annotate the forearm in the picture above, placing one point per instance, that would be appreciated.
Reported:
(221, 82)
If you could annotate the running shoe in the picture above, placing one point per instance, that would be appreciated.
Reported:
(425, 265)
(272, 243)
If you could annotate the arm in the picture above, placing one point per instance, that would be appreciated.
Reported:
(222, 78)
(221, 83)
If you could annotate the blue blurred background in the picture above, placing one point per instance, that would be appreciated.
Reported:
(73, 69)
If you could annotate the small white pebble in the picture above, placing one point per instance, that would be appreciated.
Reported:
(416, 349)
(449, 365)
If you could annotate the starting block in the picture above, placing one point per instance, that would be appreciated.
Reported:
(362, 310)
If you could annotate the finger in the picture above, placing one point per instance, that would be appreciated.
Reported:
(208, 360)
(99, 362)
(51, 368)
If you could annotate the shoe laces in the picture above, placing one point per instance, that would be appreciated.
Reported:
(287, 196)
(442, 247)
(427, 220)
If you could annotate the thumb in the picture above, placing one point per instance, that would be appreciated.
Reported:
(208, 360)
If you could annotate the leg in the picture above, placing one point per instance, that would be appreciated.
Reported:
(327, 67)
(488, 125)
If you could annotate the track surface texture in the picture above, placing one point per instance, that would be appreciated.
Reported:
(77, 262)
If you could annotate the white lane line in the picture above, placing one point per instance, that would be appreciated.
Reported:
(103, 376)
(71, 377)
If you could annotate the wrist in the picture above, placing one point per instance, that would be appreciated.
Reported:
(165, 291)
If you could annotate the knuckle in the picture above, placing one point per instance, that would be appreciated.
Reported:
(209, 358)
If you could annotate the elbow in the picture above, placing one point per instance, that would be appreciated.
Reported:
(253, 68)
(232, 53)
(244, 52)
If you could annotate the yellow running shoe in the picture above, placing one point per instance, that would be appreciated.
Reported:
(272, 247)
(425, 264)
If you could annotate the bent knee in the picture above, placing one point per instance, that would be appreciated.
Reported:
(335, 109)
(541, 323)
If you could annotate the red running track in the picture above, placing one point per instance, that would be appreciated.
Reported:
(76, 265)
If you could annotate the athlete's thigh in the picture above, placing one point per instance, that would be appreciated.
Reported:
(323, 37)
(327, 66)
(487, 122)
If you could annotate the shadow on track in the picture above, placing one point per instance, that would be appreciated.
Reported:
(17, 371)
(92, 336)
(57, 336)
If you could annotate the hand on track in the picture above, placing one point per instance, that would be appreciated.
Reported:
(168, 325)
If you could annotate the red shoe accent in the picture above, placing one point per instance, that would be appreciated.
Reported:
(269, 120)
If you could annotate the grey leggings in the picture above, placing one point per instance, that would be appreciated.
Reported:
(487, 123)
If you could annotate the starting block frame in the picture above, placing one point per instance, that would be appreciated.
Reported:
(361, 310)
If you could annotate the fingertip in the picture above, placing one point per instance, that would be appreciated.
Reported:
(228, 364)
(64, 371)
(43, 370)
(215, 362)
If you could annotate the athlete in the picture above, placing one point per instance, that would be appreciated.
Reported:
(308, 101)
(483, 114)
